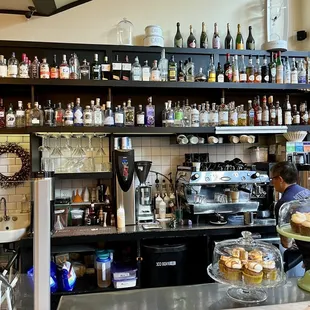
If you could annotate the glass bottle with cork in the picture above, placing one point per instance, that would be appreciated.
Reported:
(227, 69)
(2, 114)
(251, 114)
(203, 36)
(265, 116)
(229, 41)
(150, 113)
(250, 71)
(191, 41)
(250, 42)
(20, 115)
(239, 39)
(178, 39)
(279, 114)
(272, 111)
(216, 41)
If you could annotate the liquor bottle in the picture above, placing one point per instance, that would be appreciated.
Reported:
(302, 74)
(48, 114)
(235, 70)
(294, 72)
(232, 114)
(279, 78)
(20, 115)
(178, 116)
(64, 73)
(88, 116)
(2, 114)
(257, 71)
(108, 115)
(216, 41)
(214, 116)
(54, 74)
(3, 67)
(172, 70)
(187, 120)
(163, 66)
(227, 69)
(170, 115)
(178, 39)
(28, 113)
(211, 71)
(273, 68)
(258, 113)
(59, 115)
(78, 113)
(119, 116)
(98, 115)
(242, 71)
(10, 117)
(279, 115)
(223, 113)
(287, 112)
(273, 113)
(307, 60)
(140, 117)
(150, 113)
(105, 69)
(116, 69)
(23, 68)
(195, 116)
(265, 71)
(41, 116)
(201, 77)
(44, 69)
(136, 71)
(85, 70)
(68, 117)
(229, 41)
(96, 69)
(219, 73)
(304, 116)
(295, 115)
(35, 115)
(129, 112)
(265, 115)
(35, 68)
(239, 39)
(128, 71)
(203, 116)
(13, 67)
(242, 116)
(250, 42)
(251, 114)
(287, 72)
(146, 72)
(250, 71)
(190, 70)
(191, 41)
(74, 67)
(155, 73)
(203, 37)
(164, 114)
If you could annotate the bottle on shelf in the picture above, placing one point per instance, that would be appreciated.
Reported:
(194, 116)
(49, 114)
(304, 116)
(96, 69)
(35, 115)
(250, 72)
(163, 66)
(108, 115)
(223, 113)
(214, 116)
(20, 115)
(23, 67)
(294, 72)
(140, 117)
(129, 112)
(59, 115)
(178, 39)
(41, 113)
(265, 71)
(279, 77)
(116, 69)
(10, 117)
(13, 67)
(64, 73)
(155, 73)
(187, 111)
(257, 71)
(227, 69)
(250, 42)
(190, 70)
(216, 41)
(28, 112)
(106, 69)
(265, 115)
(212, 74)
(229, 41)
(68, 117)
(2, 114)
(258, 113)
(242, 116)
(219, 73)
(302, 74)
(191, 41)
(150, 113)
(203, 36)
(164, 114)
(178, 116)
(242, 71)
(170, 115)
(201, 77)
(295, 115)
(172, 70)
(85, 70)
(54, 74)
(279, 114)
(273, 68)
(239, 39)
(146, 72)
(44, 69)
(136, 71)
(74, 67)
(181, 72)
(203, 116)
(88, 116)
(119, 116)
(251, 114)
(35, 68)
(235, 70)
(78, 113)
(3, 67)
(233, 114)
(287, 112)
(287, 72)
(273, 112)
(98, 115)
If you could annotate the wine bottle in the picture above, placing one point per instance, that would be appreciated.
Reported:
(178, 39)
(229, 42)
(191, 41)
(203, 37)
(250, 42)
(239, 40)
(216, 42)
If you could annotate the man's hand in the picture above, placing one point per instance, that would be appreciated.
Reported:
(286, 242)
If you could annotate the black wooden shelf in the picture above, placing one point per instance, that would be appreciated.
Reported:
(85, 175)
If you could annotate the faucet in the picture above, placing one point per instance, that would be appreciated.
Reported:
(5, 217)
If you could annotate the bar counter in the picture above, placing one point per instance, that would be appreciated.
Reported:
(199, 297)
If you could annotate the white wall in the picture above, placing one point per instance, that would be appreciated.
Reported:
(95, 22)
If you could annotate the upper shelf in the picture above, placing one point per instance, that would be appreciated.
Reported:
(140, 84)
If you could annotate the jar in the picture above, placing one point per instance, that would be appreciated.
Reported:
(103, 269)
(124, 32)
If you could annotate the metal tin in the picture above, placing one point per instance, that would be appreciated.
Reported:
(248, 218)
(116, 144)
(125, 143)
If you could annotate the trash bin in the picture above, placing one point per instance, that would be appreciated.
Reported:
(163, 265)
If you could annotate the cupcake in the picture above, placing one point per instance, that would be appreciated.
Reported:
(269, 270)
(296, 220)
(253, 273)
(256, 255)
(233, 269)
(305, 228)
(307, 216)
(222, 261)
(236, 252)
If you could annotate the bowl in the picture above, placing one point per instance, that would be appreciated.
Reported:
(153, 30)
(295, 136)
(154, 41)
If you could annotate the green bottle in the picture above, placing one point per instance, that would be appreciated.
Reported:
(239, 40)
(178, 39)
(203, 37)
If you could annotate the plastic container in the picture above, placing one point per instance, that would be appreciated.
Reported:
(125, 283)
(258, 154)
(103, 269)
(121, 272)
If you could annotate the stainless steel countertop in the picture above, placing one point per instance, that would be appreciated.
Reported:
(195, 297)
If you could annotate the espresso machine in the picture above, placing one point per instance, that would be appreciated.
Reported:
(143, 193)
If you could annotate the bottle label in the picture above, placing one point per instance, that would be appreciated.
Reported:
(251, 78)
(243, 77)
(288, 118)
(220, 78)
(119, 118)
(88, 120)
(236, 76)
(136, 74)
(150, 115)
(258, 78)
(2, 114)
(12, 70)
(265, 116)
(98, 117)
(212, 77)
(78, 117)
(252, 46)
(266, 78)
(126, 66)
(216, 43)
(10, 120)
(140, 119)
(228, 74)
(279, 117)
(273, 114)
(178, 43)
(280, 75)
(273, 72)
(294, 77)
(20, 113)
(35, 121)
(55, 73)
(105, 67)
(116, 77)
(116, 66)
(240, 46)
(64, 72)
(259, 116)
(233, 118)
(223, 118)
(178, 115)
(302, 79)
(172, 74)
(287, 78)
(296, 119)
(146, 74)
(3, 71)
(23, 71)
(155, 76)
(44, 71)
(192, 44)
(109, 121)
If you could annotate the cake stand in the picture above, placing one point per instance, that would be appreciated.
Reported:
(286, 231)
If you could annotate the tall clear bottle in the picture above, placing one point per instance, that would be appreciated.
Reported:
(266, 114)
(279, 114)
(108, 115)
(178, 116)
(294, 72)
(140, 117)
(136, 71)
(44, 69)
(195, 116)
(127, 71)
(187, 115)
(150, 113)
(251, 114)
(88, 116)
(223, 113)
(146, 72)
(98, 115)
(119, 116)
(279, 78)
(10, 117)
(20, 115)
(74, 67)
(242, 71)
(23, 67)
(155, 73)
(211, 71)
(78, 113)
(64, 73)
(288, 112)
(59, 115)
(190, 70)
(287, 72)
(68, 117)
(164, 114)
(129, 114)
(170, 115)
(163, 66)
(3, 67)
(257, 71)
(235, 70)
(203, 116)
(233, 114)
(13, 66)
(35, 68)
(214, 116)
(302, 74)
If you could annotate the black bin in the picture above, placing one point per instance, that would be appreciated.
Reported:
(163, 265)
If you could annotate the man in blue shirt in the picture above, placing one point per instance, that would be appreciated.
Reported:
(284, 176)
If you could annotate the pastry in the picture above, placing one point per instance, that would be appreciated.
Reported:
(222, 261)
(296, 220)
(256, 255)
(305, 228)
(253, 273)
(240, 253)
(233, 269)
(269, 270)
(307, 216)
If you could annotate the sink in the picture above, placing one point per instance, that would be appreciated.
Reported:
(13, 235)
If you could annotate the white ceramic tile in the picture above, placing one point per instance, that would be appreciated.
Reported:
(156, 160)
(136, 141)
(165, 160)
(184, 150)
(156, 150)
(165, 141)
(146, 151)
(229, 150)
(193, 148)
(238, 149)
(175, 151)
(165, 150)
(138, 151)
(220, 149)
(155, 141)
(146, 141)
(212, 150)
(166, 169)
(156, 168)
(220, 158)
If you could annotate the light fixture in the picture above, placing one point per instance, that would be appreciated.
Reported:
(240, 130)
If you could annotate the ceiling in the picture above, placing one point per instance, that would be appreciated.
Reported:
(43, 7)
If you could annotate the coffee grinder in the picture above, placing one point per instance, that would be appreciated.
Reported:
(143, 193)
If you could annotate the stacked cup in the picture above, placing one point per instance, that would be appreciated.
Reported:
(153, 36)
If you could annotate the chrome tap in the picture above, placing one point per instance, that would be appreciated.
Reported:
(5, 217)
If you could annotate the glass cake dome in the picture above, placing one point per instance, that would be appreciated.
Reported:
(249, 266)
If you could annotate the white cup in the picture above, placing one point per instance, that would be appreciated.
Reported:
(234, 139)
(213, 140)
